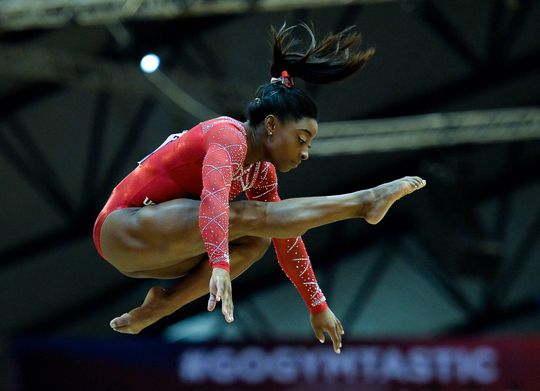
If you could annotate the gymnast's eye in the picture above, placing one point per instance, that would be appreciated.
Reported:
(301, 140)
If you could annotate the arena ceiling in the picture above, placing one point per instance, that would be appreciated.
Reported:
(452, 94)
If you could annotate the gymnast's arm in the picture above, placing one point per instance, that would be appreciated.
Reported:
(224, 144)
(294, 261)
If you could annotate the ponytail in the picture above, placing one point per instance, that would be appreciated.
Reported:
(336, 57)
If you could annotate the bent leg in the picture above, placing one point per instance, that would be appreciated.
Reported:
(160, 302)
(167, 234)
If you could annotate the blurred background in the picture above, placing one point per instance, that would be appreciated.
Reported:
(452, 95)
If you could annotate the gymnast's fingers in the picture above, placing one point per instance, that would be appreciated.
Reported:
(212, 288)
(227, 305)
(336, 339)
(319, 334)
(220, 285)
(340, 327)
(211, 302)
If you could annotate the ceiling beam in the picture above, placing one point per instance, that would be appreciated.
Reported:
(26, 14)
(427, 131)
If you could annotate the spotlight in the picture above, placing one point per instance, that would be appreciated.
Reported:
(150, 63)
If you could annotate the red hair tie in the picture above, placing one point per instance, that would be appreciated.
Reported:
(285, 79)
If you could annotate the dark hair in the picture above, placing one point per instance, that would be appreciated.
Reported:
(336, 57)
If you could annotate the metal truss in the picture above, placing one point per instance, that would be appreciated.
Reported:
(25, 14)
(432, 130)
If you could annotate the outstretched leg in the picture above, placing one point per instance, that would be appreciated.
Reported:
(160, 302)
(293, 217)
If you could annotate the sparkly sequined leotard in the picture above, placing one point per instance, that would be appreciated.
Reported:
(206, 162)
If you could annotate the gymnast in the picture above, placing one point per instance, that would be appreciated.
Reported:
(173, 216)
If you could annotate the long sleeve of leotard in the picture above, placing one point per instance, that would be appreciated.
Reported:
(226, 149)
(291, 253)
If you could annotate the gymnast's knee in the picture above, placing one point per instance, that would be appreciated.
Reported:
(252, 248)
(245, 215)
(146, 218)
(260, 247)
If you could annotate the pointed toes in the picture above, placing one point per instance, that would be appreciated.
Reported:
(121, 321)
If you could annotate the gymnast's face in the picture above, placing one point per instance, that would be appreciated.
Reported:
(288, 142)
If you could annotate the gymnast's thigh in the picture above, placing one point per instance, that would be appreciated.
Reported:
(135, 239)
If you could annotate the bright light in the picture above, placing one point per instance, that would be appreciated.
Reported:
(150, 63)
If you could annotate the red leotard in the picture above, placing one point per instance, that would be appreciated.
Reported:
(206, 163)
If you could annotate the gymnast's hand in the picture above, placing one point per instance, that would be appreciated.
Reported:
(221, 290)
(326, 321)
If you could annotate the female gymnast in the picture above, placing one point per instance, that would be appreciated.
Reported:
(174, 216)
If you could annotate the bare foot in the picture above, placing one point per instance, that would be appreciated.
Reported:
(386, 194)
(152, 309)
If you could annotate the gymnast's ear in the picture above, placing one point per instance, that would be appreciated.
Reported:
(270, 124)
